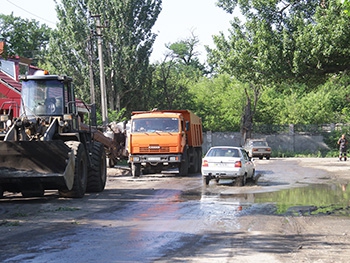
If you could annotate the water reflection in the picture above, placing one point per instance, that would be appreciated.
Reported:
(313, 199)
(309, 200)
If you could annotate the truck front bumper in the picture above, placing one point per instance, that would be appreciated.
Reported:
(167, 158)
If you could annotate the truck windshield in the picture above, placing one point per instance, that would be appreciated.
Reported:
(155, 125)
(42, 97)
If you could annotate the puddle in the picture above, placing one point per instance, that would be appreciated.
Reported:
(310, 200)
(315, 199)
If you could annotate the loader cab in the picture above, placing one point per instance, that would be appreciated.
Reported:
(47, 95)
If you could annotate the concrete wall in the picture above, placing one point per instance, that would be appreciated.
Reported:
(279, 142)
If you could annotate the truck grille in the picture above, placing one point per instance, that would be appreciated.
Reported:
(160, 150)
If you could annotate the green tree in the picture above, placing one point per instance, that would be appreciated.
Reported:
(346, 5)
(24, 37)
(128, 42)
(127, 45)
(69, 46)
(282, 42)
(218, 101)
(185, 52)
(173, 76)
(328, 103)
(170, 84)
(303, 41)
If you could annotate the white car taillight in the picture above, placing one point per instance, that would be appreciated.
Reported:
(238, 164)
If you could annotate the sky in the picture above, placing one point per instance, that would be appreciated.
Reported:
(176, 21)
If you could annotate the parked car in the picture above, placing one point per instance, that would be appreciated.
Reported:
(258, 148)
(227, 163)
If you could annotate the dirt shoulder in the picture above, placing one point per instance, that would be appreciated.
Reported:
(337, 169)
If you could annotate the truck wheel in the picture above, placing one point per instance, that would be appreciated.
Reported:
(97, 175)
(267, 157)
(135, 169)
(80, 171)
(193, 167)
(183, 166)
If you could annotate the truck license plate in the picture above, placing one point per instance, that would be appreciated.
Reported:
(153, 159)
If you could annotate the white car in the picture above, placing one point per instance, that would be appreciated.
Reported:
(227, 163)
(258, 148)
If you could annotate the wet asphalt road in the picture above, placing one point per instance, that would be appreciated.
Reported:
(156, 218)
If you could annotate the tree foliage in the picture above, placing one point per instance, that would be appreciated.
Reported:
(24, 37)
(69, 45)
(299, 41)
(185, 52)
(172, 78)
(127, 45)
(218, 101)
(286, 62)
(286, 51)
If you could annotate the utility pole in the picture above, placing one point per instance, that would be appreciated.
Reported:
(92, 83)
(102, 72)
(91, 72)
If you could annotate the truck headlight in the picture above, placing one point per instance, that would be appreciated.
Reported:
(134, 158)
(173, 158)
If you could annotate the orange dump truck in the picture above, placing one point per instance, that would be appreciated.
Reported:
(162, 139)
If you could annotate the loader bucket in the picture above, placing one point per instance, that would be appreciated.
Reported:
(26, 163)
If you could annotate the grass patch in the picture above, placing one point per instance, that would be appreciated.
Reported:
(319, 154)
(333, 210)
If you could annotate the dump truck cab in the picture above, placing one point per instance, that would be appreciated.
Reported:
(163, 139)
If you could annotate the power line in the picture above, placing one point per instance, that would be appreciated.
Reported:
(53, 23)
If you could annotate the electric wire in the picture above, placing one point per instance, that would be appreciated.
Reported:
(53, 23)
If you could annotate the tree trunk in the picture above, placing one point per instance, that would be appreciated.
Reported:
(247, 120)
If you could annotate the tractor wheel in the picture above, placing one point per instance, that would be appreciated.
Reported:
(97, 175)
(135, 169)
(80, 171)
